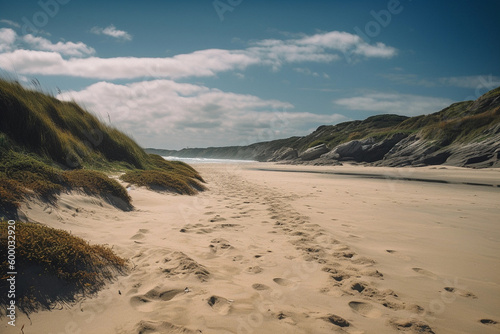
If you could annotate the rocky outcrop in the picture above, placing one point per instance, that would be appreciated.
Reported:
(477, 155)
(416, 151)
(409, 151)
(284, 154)
(463, 134)
(367, 150)
(314, 152)
(401, 150)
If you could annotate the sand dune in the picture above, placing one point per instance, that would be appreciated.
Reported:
(277, 252)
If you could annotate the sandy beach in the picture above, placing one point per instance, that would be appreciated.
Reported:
(292, 249)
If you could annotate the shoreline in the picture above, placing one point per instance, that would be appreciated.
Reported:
(275, 252)
(391, 176)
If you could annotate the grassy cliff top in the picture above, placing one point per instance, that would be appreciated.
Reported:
(460, 122)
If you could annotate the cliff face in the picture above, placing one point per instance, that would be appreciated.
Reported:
(463, 134)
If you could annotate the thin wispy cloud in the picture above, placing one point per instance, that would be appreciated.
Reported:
(306, 71)
(11, 42)
(112, 32)
(471, 81)
(390, 103)
(319, 48)
(64, 48)
(10, 23)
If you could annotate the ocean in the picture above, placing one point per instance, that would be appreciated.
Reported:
(207, 160)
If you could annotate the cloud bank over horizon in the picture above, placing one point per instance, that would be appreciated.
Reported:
(176, 75)
(167, 110)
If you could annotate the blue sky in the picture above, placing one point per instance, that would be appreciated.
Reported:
(176, 74)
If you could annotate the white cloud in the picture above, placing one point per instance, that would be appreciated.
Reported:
(473, 82)
(164, 113)
(11, 23)
(68, 48)
(379, 50)
(200, 63)
(306, 71)
(112, 32)
(401, 104)
(349, 44)
(7, 39)
(325, 47)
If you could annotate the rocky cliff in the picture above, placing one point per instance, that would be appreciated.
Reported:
(463, 134)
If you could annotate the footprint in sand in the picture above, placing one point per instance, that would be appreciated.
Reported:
(365, 309)
(337, 275)
(260, 287)
(218, 244)
(220, 304)
(283, 281)
(142, 304)
(140, 234)
(488, 322)
(336, 320)
(393, 252)
(462, 293)
(145, 303)
(410, 325)
(364, 261)
(162, 327)
(163, 294)
(254, 270)
(425, 272)
(217, 218)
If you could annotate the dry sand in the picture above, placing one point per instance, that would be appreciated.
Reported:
(292, 252)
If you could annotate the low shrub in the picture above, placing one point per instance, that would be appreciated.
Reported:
(54, 266)
(161, 180)
(96, 183)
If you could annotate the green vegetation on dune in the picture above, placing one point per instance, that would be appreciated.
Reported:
(461, 122)
(48, 147)
(173, 176)
(53, 266)
(62, 131)
(24, 175)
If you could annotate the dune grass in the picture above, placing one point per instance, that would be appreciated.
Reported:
(24, 175)
(53, 266)
(49, 146)
(170, 176)
(11, 194)
(97, 183)
(62, 131)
